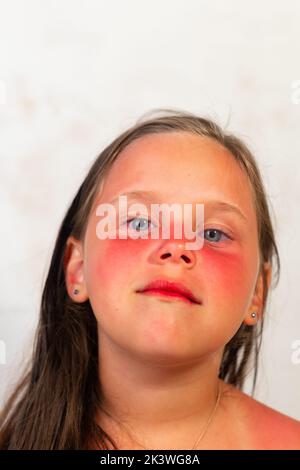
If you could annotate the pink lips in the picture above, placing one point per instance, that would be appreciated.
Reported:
(169, 288)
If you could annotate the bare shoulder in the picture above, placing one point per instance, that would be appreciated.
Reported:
(264, 427)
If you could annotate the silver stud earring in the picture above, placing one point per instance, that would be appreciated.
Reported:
(253, 314)
(75, 291)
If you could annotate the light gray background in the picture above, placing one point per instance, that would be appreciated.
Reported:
(74, 74)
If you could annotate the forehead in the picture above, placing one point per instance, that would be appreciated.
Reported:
(179, 167)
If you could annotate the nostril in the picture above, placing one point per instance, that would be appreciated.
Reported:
(184, 257)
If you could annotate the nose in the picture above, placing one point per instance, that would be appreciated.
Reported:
(176, 253)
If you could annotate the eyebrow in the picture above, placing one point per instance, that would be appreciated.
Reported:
(219, 206)
(144, 195)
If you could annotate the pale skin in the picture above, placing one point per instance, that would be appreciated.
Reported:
(159, 357)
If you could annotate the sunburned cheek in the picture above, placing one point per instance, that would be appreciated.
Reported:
(225, 271)
(120, 257)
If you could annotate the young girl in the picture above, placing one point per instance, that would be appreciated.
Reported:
(144, 343)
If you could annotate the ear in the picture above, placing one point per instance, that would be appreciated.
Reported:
(73, 267)
(257, 300)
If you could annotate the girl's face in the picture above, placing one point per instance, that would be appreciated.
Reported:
(224, 273)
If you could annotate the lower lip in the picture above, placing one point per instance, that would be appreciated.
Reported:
(166, 293)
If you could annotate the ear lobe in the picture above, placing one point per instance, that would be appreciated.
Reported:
(73, 267)
(252, 318)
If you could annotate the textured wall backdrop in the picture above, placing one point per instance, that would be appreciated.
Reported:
(73, 74)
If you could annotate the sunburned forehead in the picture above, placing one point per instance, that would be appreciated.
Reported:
(180, 167)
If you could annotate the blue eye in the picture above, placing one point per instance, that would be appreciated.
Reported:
(142, 223)
(136, 226)
(216, 234)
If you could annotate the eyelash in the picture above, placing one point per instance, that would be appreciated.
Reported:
(206, 230)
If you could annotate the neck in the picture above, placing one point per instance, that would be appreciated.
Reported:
(156, 398)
